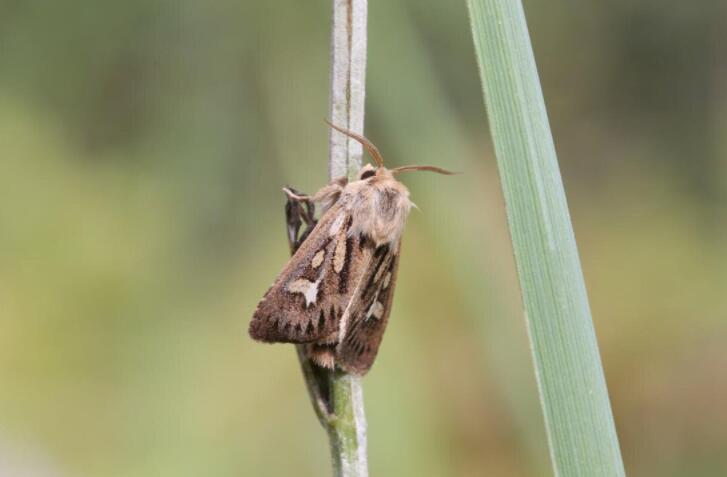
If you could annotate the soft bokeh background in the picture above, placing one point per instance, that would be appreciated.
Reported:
(143, 145)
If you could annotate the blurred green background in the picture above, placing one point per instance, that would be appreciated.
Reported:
(143, 145)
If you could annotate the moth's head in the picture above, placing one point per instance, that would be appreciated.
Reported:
(380, 203)
(377, 171)
(368, 171)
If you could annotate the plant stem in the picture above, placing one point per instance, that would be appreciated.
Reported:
(347, 432)
(578, 419)
(348, 85)
(337, 397)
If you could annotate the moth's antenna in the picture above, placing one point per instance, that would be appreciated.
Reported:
(436, 169)
(372, 150)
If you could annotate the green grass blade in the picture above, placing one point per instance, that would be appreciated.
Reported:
(579, 424)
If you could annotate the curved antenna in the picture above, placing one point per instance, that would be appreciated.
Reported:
(370, 148)
(436, 169)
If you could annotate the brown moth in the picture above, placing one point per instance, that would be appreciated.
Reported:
(334, 295)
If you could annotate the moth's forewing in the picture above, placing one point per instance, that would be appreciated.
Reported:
(308, 298)
(369, 313)
(358, 260)
(299, 307)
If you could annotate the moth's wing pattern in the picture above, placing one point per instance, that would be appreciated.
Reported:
(308, 298)
(369, 313)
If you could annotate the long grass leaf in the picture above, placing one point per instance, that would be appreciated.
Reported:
(578, 419)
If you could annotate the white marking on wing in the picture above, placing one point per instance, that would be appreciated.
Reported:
(376, 310)
(307, 288)
(336, 225)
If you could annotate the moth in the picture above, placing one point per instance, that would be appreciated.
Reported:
(334, 295)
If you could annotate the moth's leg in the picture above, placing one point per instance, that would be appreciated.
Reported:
(296, 195)
(329, 194)
(299, 210)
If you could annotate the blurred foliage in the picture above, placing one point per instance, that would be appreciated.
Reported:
(143, 146)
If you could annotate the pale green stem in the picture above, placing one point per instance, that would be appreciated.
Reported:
(337, 397)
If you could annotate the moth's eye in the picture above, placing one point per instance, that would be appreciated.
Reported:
(367, 174)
